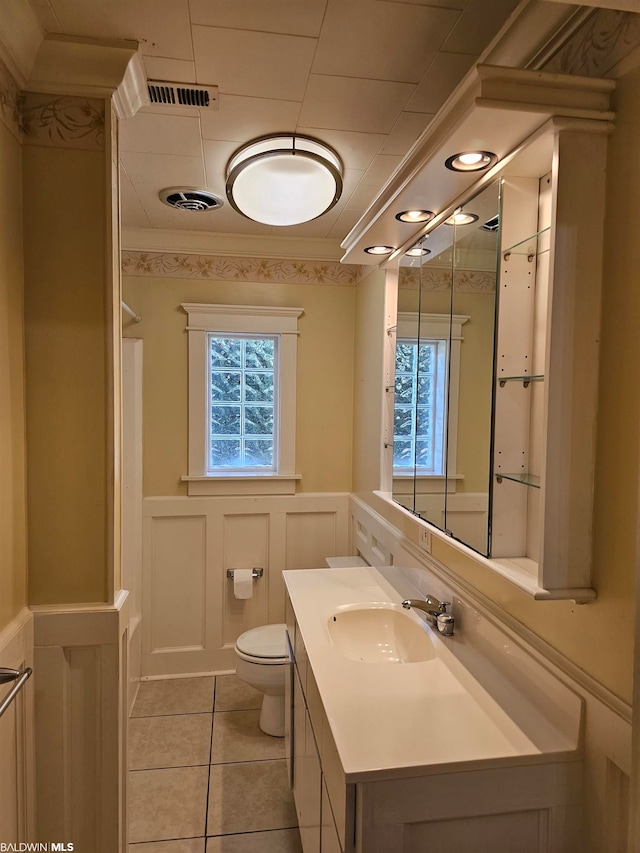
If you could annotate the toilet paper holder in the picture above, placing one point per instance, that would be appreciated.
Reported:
(256, 573)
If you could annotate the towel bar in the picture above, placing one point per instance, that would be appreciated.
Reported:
(7, 675)
(257, 573)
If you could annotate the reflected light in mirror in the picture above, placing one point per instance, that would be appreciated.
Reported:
(460, 218)
(418, 252)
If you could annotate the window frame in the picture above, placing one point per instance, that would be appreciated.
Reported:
(250, 320)
(447, 327)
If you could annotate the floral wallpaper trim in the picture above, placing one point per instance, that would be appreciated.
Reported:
(466, 281)
(605, 38)
(216, 268)
(9, 101)
(62, 122)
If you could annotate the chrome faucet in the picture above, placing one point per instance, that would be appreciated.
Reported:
(435, 613)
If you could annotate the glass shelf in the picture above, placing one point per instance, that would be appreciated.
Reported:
(526, 479)
(524, 379)
(523, 246)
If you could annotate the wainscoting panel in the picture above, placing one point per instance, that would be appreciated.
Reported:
(17, 777)
(191, 617)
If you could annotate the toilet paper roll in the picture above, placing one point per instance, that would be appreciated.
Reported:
(243, 583)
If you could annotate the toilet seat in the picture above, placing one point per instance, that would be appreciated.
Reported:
(266, 645)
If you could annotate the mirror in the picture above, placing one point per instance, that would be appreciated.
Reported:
(444, 368)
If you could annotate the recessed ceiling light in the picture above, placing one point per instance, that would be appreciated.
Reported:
(415, 215)
(460, 218)
(418, 252)
(470, 161)
(284, 179)
(379, 250)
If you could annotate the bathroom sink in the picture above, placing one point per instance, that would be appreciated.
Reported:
(380, 634)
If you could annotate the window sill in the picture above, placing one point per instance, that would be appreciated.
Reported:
(242, 484)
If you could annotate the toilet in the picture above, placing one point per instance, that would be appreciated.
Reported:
(261, 662)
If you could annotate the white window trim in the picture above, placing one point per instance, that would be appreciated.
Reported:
(437, 326)
(241, 319)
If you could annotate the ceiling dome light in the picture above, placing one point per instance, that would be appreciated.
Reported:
(470, 161)
(284, 179)
(418, 252)
(460, 218)
(415, 215)
(379, 250)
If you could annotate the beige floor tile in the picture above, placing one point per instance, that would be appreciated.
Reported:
(275, 841)
(249, 797)
(181, 845)
(234, 694)
(166, 804)
(238, 737)
(169, 741)
(174, 696)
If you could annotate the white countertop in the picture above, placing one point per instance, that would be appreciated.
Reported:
(392, 720)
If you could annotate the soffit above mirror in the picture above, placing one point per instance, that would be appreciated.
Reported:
(494, 109)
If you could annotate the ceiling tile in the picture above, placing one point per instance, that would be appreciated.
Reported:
(478, 24)
(362, 197)
(155, 133)
(163, 170)
(172, 70)
(358, 39)
(277, 16)
(319, 227)
(356, 150)
(443, 75)
(381, 170)
(241, 119)
(161, 26)
(405, 132)
(447, 4)
(46, 16)
(229, 221)
(216, 156)
(349, 103)
(261, 65)
(132, 212)
(344, 223)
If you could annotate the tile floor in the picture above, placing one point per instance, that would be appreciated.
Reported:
(203, 778)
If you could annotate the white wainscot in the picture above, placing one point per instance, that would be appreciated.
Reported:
(190, 615)
(464, 748)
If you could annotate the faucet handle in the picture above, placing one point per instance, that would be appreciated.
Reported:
(442, 606)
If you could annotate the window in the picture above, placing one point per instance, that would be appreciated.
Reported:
(242, 390)
(419, 409)
(427, 376)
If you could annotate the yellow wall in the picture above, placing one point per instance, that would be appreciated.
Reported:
(597, 637)
(325, 371)
(13, 557)
(66, 363)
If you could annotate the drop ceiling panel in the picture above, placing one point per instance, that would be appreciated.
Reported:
(356, 150)
(444, 74)
(163, 170)
(349, 103)
(356, 36)
(344, 223)
(216, 156)
(478, 24)
(172, 70)
(161, 26)
(275, 16)
(226, 220)
(262, 65)
(241, 119)
(448, 4)
(136, 214)
(405, 131)
(158, 133)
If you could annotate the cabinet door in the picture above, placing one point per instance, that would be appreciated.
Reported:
(329, 842)
(298, 747)
(311, 793)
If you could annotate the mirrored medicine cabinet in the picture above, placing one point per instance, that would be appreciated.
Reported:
(496, 366)
(444, 345)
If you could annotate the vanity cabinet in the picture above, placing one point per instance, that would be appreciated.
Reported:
(477, 806)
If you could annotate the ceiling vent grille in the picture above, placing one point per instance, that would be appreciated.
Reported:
(190, 198)
(492, 224)
(179, 95)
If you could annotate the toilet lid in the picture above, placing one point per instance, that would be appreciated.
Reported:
(268, 641)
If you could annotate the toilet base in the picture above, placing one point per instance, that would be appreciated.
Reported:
(272, 715)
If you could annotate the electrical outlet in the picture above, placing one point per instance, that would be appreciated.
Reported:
(425, 540)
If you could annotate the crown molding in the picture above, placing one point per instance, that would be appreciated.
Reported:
(236, 245)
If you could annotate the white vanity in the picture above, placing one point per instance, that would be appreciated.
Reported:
(402, 740)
